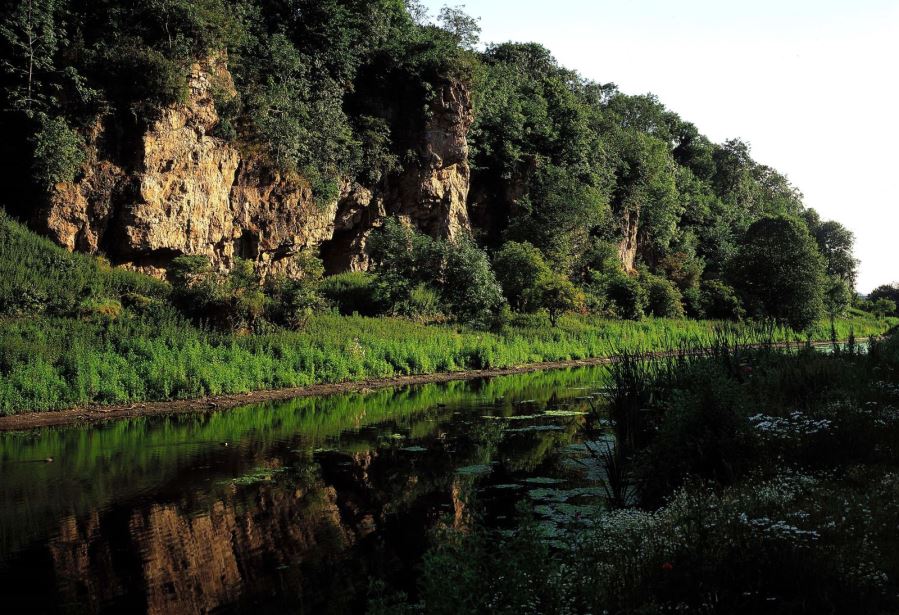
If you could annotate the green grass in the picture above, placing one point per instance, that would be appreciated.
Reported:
(57, 350)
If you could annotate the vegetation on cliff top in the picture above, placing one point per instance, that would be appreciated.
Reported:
(339, 89)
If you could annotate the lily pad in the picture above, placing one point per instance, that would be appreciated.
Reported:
(565, 413)
(535, 428)
(544, 480)
(563, 495)
(475, 470)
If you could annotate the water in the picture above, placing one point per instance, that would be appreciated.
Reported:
(292, 507)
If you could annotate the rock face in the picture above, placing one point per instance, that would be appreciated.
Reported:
(180, 190)
(629, 245)
(431, 197)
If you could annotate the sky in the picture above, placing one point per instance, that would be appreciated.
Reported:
(812, 85)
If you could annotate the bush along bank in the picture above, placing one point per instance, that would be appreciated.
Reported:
(741, 481)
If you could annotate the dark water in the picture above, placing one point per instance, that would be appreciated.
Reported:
(294, 507)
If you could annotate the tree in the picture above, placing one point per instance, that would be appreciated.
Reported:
(836, 243)
(418, 12)
(780, 273)
(294, 299)
(883, 307)
(646, 192)
(556, 294)
(402, 259)
(33, 35)
(837, 297)
(557, 214)
(461, 25)
(890, 292)
(518, 266)
(469, 286)
(408, 263)
(624, 295)
(719, 301)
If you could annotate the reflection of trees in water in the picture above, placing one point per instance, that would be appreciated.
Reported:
(104, 463)
(313, 535)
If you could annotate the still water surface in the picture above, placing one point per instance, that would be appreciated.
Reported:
(291, 507)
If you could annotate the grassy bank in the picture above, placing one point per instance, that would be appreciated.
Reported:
(745, 481)
(50, 363)
(74, 331)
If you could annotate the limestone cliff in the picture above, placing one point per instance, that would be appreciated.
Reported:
(175, 189)
(431, 196)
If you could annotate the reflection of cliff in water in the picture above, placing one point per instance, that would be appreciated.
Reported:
(297, 542)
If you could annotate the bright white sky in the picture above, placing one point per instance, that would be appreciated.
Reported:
(812, 85)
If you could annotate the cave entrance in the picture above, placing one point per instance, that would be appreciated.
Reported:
(248, 246)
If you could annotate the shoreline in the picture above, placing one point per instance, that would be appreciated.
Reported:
(86, 415)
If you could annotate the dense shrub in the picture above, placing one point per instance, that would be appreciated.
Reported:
(518, 266)
(458, 271)
(557, 295)
(469, 288)
(663, 299)
(58, 151)
(351, 293)
(719, 301)
(626, 294)
(231, 300)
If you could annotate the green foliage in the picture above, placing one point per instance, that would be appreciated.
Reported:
(423, 304)
(889, 292)
(663, 299)
(780, 273)
(556, 294)
(59, 348)
(58, 152)
(234, 300)
(38, 277)
(624, 295)
(837, 296)
(719, 301)
(337, 91)
(883, 307)
(402, 259)
(293, 300)
(457, 270)
(462, 26)
(469, 287)
(836, 244)
(351, 293)
(557, 214)
(518, 267)
(101, 309)
(32, 34)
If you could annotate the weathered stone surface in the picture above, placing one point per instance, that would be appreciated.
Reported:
(432, 197)
(184, 191)
(629, 245)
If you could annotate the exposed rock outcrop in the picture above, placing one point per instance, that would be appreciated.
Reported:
(431, 197)
(629, 244)
(184, 191)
